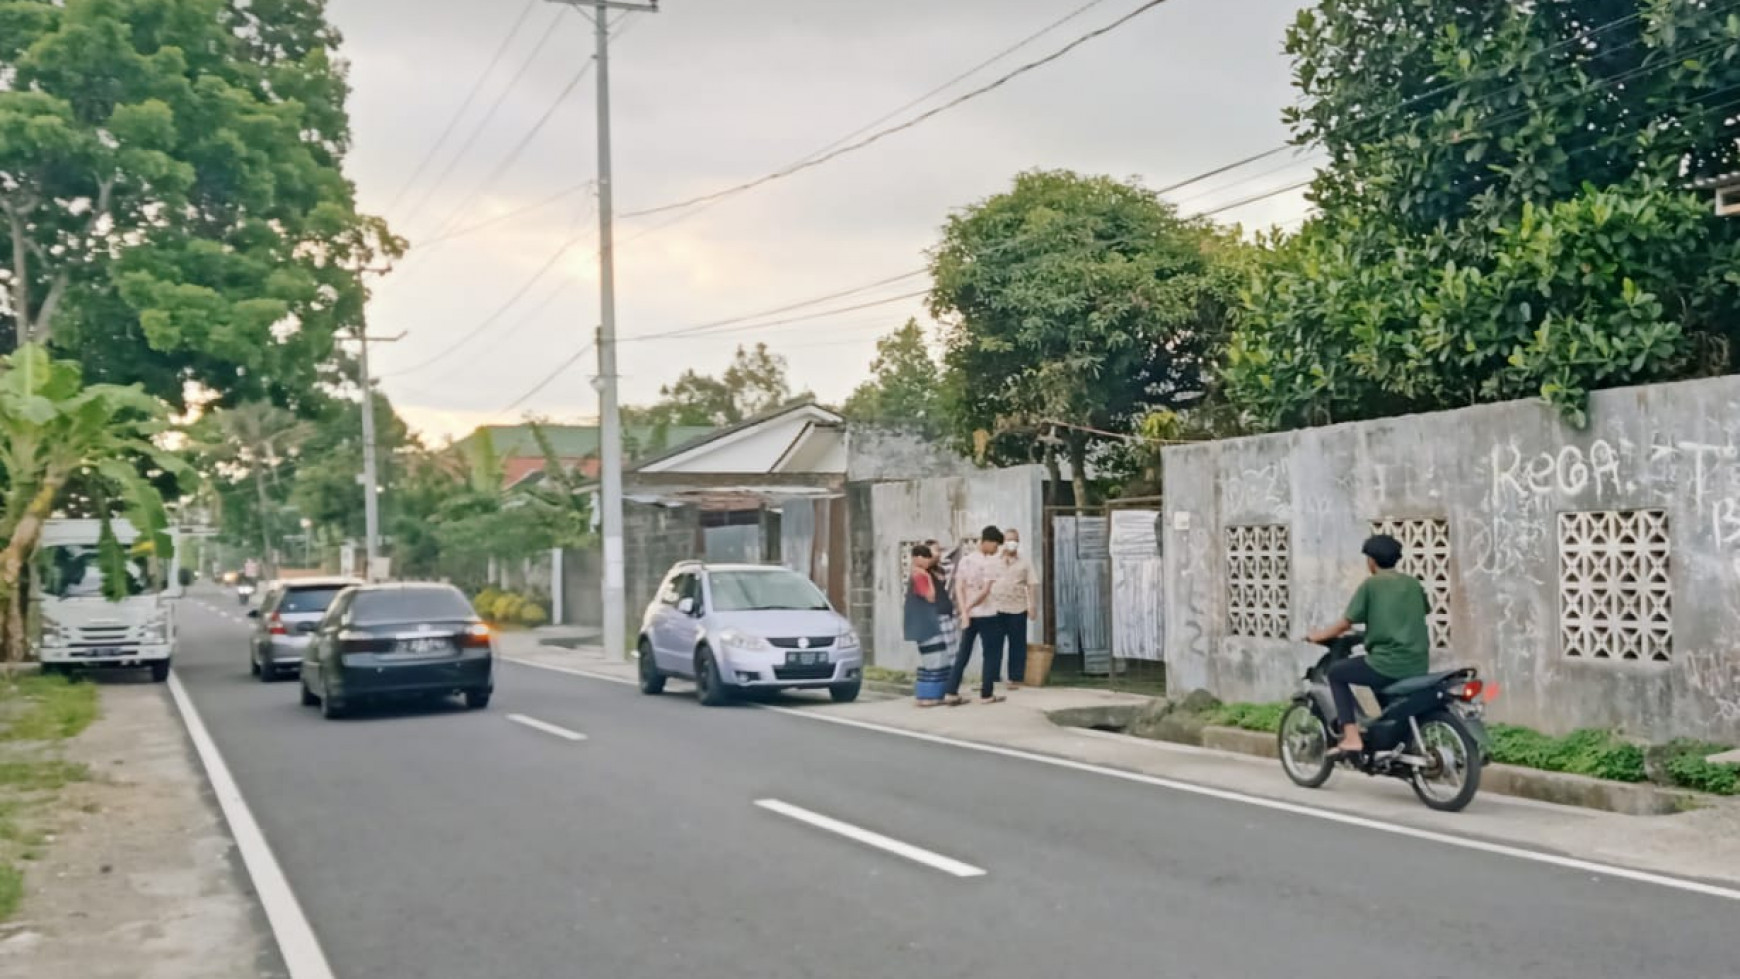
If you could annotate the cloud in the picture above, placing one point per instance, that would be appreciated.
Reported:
(707, 95)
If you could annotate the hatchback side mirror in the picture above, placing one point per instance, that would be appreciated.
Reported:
(686, 606)
(253, 613)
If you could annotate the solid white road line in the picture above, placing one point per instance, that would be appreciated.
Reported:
(1277, 805)
(546, 727)
(858, 834)
(588, 674)
(296, 941)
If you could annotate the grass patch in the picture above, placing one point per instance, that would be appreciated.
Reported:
(1249, 717)
(882, 674)
(38, 776)
(1685, 763)
(1592, 752)
(37, 713)
(11, 889)
(46, 708)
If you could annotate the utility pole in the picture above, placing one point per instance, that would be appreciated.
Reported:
(370, 479)
(609, 410)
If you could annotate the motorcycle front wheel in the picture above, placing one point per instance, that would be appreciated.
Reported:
(1303, 740)
(1451, 775)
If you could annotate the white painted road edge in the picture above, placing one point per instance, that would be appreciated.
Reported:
(1226, 795)
(295, 936)
(857, 834)
(546, 727)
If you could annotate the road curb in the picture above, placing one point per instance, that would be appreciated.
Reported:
(1559, 788)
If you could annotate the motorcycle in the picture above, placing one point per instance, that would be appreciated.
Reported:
(244, 591)
(1429, 732)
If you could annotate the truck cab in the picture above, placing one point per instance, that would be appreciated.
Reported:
(78, 625)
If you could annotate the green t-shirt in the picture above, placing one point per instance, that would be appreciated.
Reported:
(1392, 607)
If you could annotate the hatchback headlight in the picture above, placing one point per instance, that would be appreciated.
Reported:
(744, 641)
(849, 640)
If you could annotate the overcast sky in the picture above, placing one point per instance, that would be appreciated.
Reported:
(710, 93)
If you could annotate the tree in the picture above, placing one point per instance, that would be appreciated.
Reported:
(1073, 305)
(255, 440)
(903, 390)
(754, 382)
(54, 431)
(1503, 214)
(172, 203)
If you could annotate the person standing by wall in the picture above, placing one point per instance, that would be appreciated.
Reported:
(924, 629)
(975, 576)
(941, 572)
(1015, 595)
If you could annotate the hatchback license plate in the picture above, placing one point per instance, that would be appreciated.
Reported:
(813, 658)
(423, 647)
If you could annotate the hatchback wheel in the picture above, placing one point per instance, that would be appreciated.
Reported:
(253, 665)
(308, 697)
(331, 707)
(652, 682)
(845, 693)
(709, 687)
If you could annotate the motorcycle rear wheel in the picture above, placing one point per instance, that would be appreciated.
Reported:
(1303, 740)
(1452, 778)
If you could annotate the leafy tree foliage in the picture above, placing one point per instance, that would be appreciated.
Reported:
(172, 204)
(1074, 305)
(1503, 211)
(904, 390)
(55, 429)
(754, 382)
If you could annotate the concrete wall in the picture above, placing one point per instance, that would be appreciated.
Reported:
(654, 538)
(1512, 484)
(878, 455)
(948, 509)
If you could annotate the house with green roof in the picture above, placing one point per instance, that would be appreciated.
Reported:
(515, 449)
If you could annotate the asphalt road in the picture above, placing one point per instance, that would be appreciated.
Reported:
(454, 845)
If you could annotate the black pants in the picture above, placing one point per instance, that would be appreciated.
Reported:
(989, 631)
(1015, 633)
(1346, 675)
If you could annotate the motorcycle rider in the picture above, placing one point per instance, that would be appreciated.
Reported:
(1392, 607)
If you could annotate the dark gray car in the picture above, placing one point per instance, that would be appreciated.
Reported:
(288, 614)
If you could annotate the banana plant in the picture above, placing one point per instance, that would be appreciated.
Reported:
(54, 430)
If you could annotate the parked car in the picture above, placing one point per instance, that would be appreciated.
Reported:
(739, 627)
(396, 641)
(286, 621)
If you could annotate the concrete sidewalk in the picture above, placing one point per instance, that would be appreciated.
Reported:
(1703, 844)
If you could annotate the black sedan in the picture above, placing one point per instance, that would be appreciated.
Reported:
(399, 641)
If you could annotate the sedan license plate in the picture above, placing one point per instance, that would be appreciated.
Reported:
(811, 658)
(422, 647)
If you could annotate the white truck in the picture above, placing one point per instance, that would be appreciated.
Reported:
(80, 628)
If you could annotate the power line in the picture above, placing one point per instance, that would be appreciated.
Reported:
(510, 215)
(918, 120)
(519, 149)
(548, 379)
(694, 332)
(464, 106)
(488, 117)
(488, 321)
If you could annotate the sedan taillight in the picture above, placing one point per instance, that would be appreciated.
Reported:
(475, 637)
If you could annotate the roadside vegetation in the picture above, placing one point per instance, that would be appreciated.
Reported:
(37, 715)
(1594, 752)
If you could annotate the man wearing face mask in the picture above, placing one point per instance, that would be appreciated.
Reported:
(1015, 595)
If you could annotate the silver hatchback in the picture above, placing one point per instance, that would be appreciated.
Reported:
(740, 627)
(289, 613)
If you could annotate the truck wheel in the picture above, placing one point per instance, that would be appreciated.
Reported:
(160, 671)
